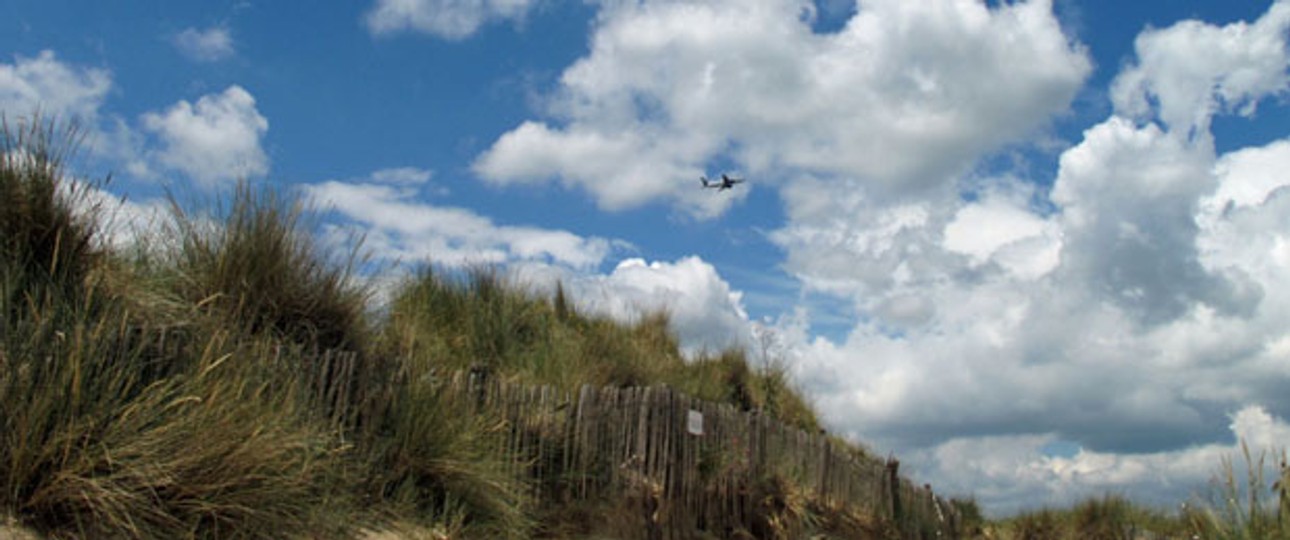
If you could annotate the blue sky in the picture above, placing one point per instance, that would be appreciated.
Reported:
(1035, 248)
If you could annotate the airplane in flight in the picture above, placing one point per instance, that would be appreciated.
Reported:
(725, 183)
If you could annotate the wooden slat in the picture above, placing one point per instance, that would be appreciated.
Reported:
(601, 441)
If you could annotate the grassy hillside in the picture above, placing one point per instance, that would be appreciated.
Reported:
(1240, 505)
(166, 390)
(169, 389)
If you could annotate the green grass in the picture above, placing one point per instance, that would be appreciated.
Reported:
(172, 387)
(1237, 507)
(479, 319)
(108, 432)
(1243, 508)
(256, 265)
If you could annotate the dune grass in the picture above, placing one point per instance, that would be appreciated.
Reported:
(479, 319)
(1244, 508)
(1237, 507)
(169, 389)
(256, 264)
(105, 433)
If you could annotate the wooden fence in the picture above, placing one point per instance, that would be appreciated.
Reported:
(692, 465)
(689, 465)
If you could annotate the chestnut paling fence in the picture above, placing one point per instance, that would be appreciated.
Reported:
(689, 465)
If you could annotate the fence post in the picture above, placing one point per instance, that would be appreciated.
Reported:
(893, 489)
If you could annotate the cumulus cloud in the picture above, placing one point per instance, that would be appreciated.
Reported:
(214, 140)
(53, 88)
(707, 315)
(1011, 473)
(210, 45)
(1128, 310)
(906, 94)
(1189, 71)
(399, 227)
(125, 222)
(1002, 228)
(448, 19)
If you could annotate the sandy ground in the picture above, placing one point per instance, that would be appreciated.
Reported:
(9, 530)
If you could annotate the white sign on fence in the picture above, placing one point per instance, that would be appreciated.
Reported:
(694, 422)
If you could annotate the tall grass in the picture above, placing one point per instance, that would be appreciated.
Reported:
(49, 226)
(1240, 508)
(256, 264)
(95, 439)
(437, 462)
(168, 392)
(480, 320)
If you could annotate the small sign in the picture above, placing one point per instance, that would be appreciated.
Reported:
(694, 422)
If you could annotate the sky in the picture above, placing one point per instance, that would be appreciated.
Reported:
(1039, 250)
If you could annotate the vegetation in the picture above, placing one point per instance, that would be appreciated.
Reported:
(479, 320)
(1233, 510)
(170, 389)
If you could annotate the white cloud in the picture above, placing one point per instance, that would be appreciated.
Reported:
(210, 45)
(1189, 71)
(215, 140)
(705, 313)
(905, 96)
(401, 228)
(402, 176)
(1002, 228)
(53, 88)
(1010, 473)
(448, 19)
(126, 222)
(1128, 197)
(398, 226)
(1129, 309)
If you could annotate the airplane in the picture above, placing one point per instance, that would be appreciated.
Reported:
(725, 183)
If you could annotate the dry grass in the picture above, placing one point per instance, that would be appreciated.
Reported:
(1241, 509)
(170, 392)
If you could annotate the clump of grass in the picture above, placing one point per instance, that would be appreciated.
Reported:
(1045, 524)
(436, 462)
(258, 266)
(1240, 510)
(96, 438)
(48, 223)
(972, 521)
(92, 448)
(171, 392)
(480, 320)
(467, 320)
(730, 378)
(781, 510)
(1106, 518)
(209, 454)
